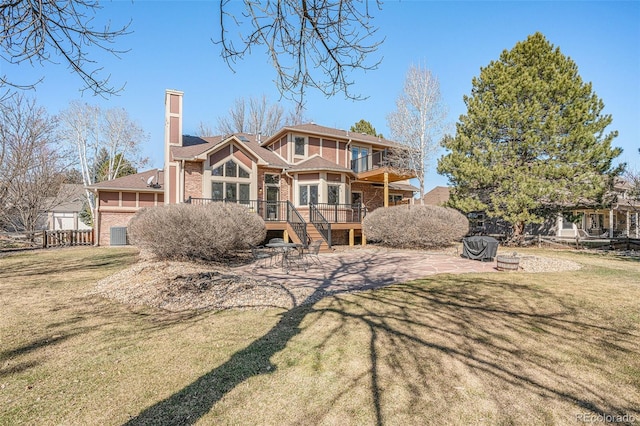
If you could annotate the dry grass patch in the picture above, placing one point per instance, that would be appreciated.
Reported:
(452, 349)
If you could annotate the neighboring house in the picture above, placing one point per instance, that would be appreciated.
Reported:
(438, 196)
(618, 219)
(67, 205)
(306, 181)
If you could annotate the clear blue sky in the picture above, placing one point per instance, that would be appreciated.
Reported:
(171, 48)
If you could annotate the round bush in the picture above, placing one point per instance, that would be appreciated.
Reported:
(415, 226)
(214, 232)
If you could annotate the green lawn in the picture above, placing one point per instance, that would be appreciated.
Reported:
(495, 348)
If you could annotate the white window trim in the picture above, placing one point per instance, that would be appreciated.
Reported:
(360, 147)
(224, 178)
(318, 183)
(342, 191)
(237, 179)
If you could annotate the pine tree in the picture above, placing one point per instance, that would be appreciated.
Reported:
(364, 127)
(533, 140)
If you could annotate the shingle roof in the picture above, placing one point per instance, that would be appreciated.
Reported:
(437, 196)
(134, 182)
(331, 132)
(70, 198)
(399, 186)
(316, 162)
(194, 146)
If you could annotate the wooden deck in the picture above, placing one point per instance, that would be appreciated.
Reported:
(342, 233)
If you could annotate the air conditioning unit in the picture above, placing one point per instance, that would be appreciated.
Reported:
(118, 236)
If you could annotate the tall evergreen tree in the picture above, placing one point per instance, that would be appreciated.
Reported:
(533, 140)
(363, 126)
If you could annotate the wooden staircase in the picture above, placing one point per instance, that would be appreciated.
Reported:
(312, 233)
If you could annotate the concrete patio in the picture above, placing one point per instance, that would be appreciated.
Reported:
(361, 269)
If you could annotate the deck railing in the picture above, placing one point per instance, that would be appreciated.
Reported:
(278, 211)
(320, 222)
(342, 213)
(297, 223)
(269, 211)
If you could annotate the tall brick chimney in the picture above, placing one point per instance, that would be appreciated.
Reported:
(172, 137)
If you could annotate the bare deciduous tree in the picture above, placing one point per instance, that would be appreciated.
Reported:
(254, 116)
(204, 130)
(418, 120)
(633, 179)
(235, 120)
(89, 130)
(40, 31)
(311, 43)
(31, 168)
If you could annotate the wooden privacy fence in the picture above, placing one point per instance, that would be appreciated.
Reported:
(67, 238)
(623, 243)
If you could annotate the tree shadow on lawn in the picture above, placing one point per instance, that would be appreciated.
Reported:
(417, 330)
(197, 399)
(75, 315)
(63, 261)
(497, 338)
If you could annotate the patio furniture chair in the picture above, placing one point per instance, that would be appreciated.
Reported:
(312, 251)
(261, 253)
(295, 257)
(279, 251)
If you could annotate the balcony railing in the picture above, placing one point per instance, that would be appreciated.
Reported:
(370, 162)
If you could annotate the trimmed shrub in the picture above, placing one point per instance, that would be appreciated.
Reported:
(214, 232)
(415, 226)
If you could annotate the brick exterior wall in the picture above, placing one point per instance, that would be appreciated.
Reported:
(373, 196)
(261, 172)
(109, 219)
(286, 192)
(193, 180)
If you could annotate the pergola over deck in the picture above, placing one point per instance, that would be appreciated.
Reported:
(378, 168)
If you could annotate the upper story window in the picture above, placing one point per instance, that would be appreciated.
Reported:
(299, 146)
(230, 169)
(359, 159)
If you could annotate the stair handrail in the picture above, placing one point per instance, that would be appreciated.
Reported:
(320, 223)
(297, 223)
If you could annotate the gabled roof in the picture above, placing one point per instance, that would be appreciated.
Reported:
(437, 196)
(70, 198)
(195, 148)
(315, 162)
(135, 182)
(322, 131)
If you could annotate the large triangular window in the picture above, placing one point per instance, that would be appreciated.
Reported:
(230, 169)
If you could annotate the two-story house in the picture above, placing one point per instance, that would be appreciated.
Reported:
(306, 181)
